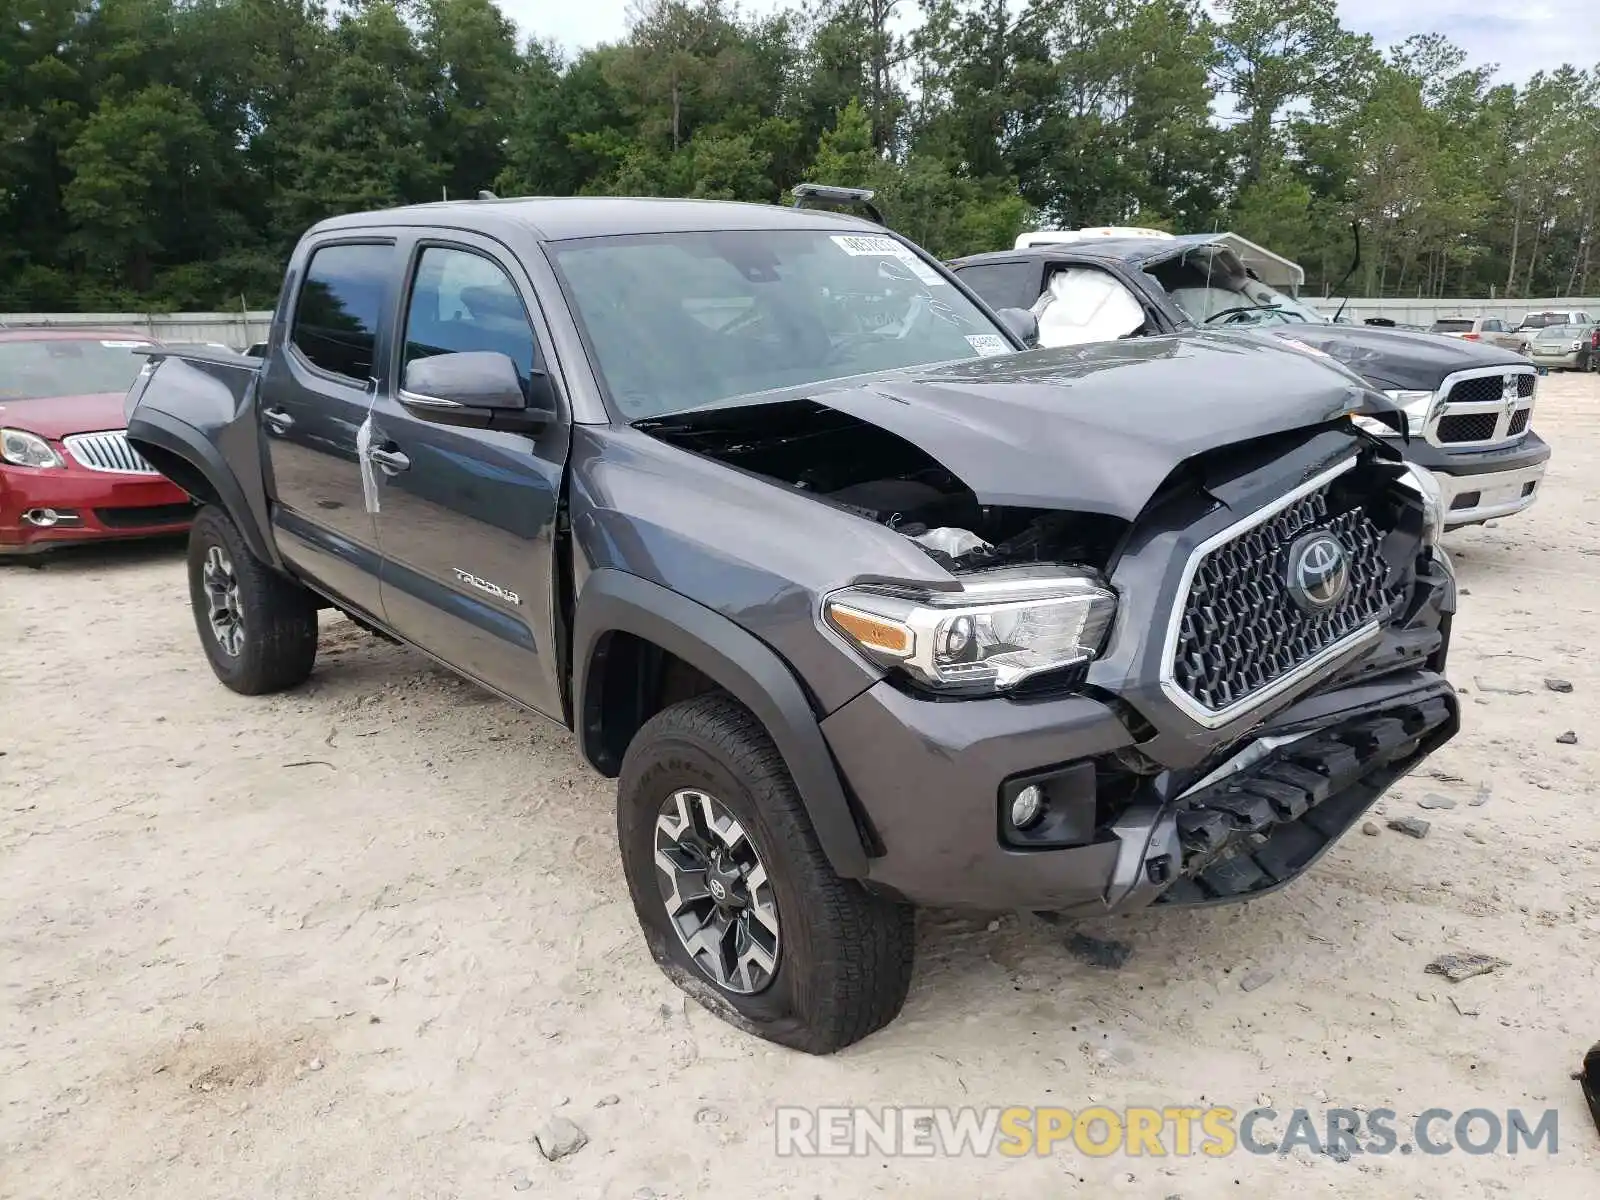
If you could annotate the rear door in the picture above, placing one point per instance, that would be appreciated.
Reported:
(467, 517)
(315, 395)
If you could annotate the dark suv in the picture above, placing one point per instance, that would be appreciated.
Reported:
(1468, 404)
(863, 608)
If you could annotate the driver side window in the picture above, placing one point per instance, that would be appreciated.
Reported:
(464, 301)
(1085, 304)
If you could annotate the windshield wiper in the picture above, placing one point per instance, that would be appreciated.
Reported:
(1253, 306)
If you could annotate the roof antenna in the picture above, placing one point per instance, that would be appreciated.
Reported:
(1355, 229)
(486, 194)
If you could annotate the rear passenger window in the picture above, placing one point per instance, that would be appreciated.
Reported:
(463, 301)
(336, 321)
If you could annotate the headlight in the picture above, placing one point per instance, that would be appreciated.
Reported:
(1001, 628)
(23, 449)
(1577, 345)
(1416, 406)
(1421, 481)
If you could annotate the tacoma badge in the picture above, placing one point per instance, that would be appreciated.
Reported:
(483, 585)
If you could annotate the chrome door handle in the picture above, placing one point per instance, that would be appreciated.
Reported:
(280, 421)
(392, 462)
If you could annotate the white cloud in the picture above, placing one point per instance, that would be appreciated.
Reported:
(1522, 37)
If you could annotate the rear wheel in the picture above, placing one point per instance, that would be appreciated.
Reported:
(259, 629)
(736, 898)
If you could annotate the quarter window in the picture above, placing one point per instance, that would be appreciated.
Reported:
(336, 320)
(463, 301)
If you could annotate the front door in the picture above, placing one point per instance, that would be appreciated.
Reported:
(467, 517)
(315, 396)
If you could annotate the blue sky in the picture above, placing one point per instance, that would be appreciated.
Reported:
(1523, 36)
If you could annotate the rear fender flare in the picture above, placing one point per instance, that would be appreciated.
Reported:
(166, 434)
(614, 601)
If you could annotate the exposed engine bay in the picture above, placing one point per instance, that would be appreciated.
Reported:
(856, 466)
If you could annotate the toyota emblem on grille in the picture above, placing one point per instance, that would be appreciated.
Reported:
(1319, 571)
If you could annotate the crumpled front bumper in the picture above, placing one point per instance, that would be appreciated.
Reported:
(929, 778)
(1257, 828)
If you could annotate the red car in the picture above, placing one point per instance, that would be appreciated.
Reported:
(67, 473)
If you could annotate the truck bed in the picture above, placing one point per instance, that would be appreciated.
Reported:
(199, 406)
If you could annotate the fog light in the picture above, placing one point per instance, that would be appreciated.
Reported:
(42, 517)
(1027, 807)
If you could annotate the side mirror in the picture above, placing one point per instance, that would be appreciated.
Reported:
(1022, 323)
(478, 389)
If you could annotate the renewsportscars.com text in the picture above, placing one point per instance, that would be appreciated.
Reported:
(1215, 1132)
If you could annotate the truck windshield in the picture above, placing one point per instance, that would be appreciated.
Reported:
(38, 370)
(1212, 288)
(675, 321)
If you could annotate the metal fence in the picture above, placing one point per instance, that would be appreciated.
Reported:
(1426, 312)
(236, 329)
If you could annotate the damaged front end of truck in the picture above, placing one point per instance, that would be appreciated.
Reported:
(1095, 628)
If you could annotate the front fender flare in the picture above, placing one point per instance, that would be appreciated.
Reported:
(614, 601)
(164, 433)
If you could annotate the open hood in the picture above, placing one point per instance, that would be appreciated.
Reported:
(1090, 429)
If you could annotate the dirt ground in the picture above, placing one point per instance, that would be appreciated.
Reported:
(359, 940)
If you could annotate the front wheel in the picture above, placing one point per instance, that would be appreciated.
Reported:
(259, 629)
(735, 896)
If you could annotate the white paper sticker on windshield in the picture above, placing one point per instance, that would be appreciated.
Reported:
(123, 345)
(866, 243)
(988, 344)
(857, 244)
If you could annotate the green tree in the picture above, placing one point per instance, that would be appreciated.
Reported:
(144, 174)
(1124, 132)
(169, 152)
(845, 156)
(474, 71)
(361, 127)
(1277, 53)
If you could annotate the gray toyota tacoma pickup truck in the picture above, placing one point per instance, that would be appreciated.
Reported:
(863, 607)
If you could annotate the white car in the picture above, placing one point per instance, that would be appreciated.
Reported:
(1542, 320)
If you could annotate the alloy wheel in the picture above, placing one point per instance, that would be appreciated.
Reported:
(716, 892)
(223, 608)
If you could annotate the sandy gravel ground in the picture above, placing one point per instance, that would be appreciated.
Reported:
(358, 940)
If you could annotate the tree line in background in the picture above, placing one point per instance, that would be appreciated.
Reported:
(165, 154)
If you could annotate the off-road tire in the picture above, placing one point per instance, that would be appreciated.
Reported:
(845, 954)
(279, 642)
